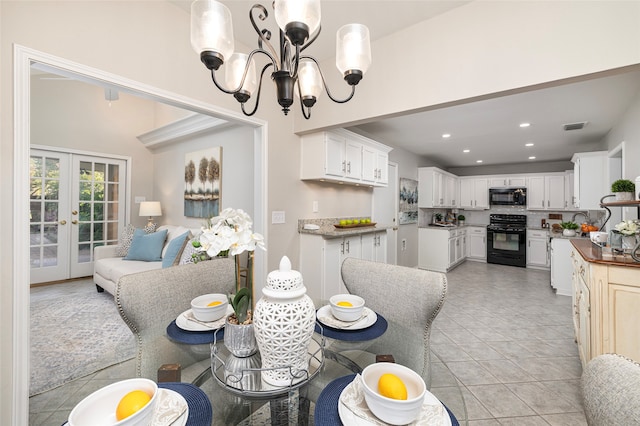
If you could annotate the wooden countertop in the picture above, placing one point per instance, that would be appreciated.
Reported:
(592, 253)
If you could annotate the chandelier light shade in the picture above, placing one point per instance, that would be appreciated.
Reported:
(293, 73)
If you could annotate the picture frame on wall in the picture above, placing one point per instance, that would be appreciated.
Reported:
(203, 183)
(408, 201)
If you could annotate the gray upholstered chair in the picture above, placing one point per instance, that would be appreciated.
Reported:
(408, 296)
(149, 301)
(611, 391)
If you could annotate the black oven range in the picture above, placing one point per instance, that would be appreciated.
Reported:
(506, 239)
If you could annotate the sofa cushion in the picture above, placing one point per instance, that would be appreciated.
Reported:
(173, 231)
(124, 242)
(146, 247)
(115, 267)
(174, 248)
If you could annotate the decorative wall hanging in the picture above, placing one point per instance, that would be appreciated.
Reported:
(203, 182)
(408, 201)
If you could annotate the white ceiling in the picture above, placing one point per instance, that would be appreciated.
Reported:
(489, 128)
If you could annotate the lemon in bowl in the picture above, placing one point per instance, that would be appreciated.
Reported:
(124, 403)
(209, 307)
(393, 392)
(347, 307)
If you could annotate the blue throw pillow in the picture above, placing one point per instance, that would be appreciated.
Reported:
(174, 249)
(146, 247)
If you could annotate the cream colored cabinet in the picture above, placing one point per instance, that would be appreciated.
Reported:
(436, 188)
(477, 243)
(606, 303)
(590, 179)
(474, 193)
(344, 157)
(546, 192)
(538, 249)
(507, 181)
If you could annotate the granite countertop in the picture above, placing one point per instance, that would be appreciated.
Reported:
(327, 230)
(593, 253)
(466, 224)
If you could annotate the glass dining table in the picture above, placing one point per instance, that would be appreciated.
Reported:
(336, 356)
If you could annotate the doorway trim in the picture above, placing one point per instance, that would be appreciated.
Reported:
(23, 59)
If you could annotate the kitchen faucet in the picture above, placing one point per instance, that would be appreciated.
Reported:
(573, 218)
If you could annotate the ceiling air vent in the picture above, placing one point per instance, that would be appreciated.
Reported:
(575, 126)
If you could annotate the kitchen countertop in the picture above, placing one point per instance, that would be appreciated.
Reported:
(327, 230)
(593, 253)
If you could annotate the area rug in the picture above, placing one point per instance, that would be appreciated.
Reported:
(75, 331)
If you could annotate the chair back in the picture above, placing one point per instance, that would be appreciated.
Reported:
(407, 296)
(611, 391)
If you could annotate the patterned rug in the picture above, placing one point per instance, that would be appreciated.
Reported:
(75, 331)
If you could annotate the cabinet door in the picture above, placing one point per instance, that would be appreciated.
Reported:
(426, 196)
(584, 319)
(569, 199)
(477, 245)
(352, 247)
(332, 262)
(368, 242)
(369, 164)
(537, 252)
(452, 251)
(381, 247)
(382, 167)
(353, 155)
(498, 182)
(624, 320)
(481, 193)
(449, 189)
(517, 181)
(461, 247)
(554, 192)
(335, 163)
(535, 193)
(467, 189)
(438, 189)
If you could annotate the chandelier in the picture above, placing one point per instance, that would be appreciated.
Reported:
(299, 27)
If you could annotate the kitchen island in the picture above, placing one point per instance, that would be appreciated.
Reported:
(606, 301)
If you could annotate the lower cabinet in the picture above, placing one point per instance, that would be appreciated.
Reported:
(477, 243)
(441, 249)
(606, 308)
(538, 249)
(321, 259)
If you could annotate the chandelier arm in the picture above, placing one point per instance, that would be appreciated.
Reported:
(265, 35)
(315, 36)
(306, 114)
(259, 91)
(324, 84)
(246, 70)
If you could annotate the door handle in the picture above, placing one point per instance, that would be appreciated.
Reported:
(74, 221)
(63, 222)
(74, 212)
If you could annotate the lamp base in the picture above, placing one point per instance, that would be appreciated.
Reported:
(150, 227)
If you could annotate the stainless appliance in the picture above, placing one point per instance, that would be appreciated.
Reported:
(506, 239)
(508, 196)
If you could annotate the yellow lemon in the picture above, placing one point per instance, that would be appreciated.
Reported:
(347, 304)
(131, 403)
(215, 303)
(392, 386)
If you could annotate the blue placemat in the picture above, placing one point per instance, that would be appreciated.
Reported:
(369, 333)
(200, 411)
(326, 412)
(192, 337)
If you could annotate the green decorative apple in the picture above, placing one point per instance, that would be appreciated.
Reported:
(356, 221)
(343, 222)
(349, 222)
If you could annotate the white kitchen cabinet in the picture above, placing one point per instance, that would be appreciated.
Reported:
(538, 249)
(507, 181)
(344, 157)
(474, 193)
(440, 249)
(546, 192)
(561, 267)
(477, 243)
(436, 188)
(590, 179)
(569, 198)
(374, 246)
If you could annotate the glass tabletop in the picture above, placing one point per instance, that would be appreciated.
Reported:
(339, 358)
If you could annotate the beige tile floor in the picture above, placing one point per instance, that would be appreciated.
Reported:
(503, 332)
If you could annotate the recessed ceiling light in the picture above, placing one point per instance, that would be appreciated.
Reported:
(478, 161)
(525, 124)
(532, 158)
(528, 144)
(446, 135)
(466, 150)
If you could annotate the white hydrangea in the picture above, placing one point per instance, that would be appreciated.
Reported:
(231, 231)
(628, 227)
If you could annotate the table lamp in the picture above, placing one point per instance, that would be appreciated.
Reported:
(151, 209)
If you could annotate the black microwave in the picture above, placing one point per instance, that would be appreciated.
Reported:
(508, 196)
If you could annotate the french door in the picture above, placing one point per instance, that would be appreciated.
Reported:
(77, 202)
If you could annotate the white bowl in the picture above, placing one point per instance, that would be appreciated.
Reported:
(347, 313)
(206, 313)
(99, 408)
(393, 411)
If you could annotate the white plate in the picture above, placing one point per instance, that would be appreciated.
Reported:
(185, 324)
(371, 319)
(349, 418)
(169, 401)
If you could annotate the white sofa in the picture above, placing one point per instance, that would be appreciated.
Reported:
(108, 267)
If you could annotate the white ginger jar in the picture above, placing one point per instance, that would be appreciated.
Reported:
(284, 320)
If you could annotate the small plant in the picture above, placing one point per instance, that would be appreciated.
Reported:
(438, 216)
(569, 225)
(623, 185)
(461, 217)
(240, 305)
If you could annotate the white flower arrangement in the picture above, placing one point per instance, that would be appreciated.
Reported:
(627, 227)
(230, 232)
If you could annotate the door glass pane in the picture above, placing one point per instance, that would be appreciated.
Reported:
(98, 211)
(84, 232)
(86, 170)
(35, 257)
(100, 170)
(98, 231)
(85, 191)
(49, 256)
(98, 194)
(51, 189)
(112, 211)
(52, 168)
(34, 211)
(50, 234)
(35, 166)
(112, 231)
(84, 211)
(51, 211)
(36, 189)
(113, 191)
(84, 253)
(35, 235)
(114, 171)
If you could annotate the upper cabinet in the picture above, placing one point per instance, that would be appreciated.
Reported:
(474, 193)
(546, 192)
(507, 181)
(590, 179)
(344, 157)
(437, 188)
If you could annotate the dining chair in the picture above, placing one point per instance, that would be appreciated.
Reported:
(611, 391)
(408, 296)
(149, 301)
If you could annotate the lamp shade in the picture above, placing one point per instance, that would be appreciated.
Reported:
(295, 12)
(309, 78)
(353, 48)
(150, 208)
(211, 28)
(234, 71)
